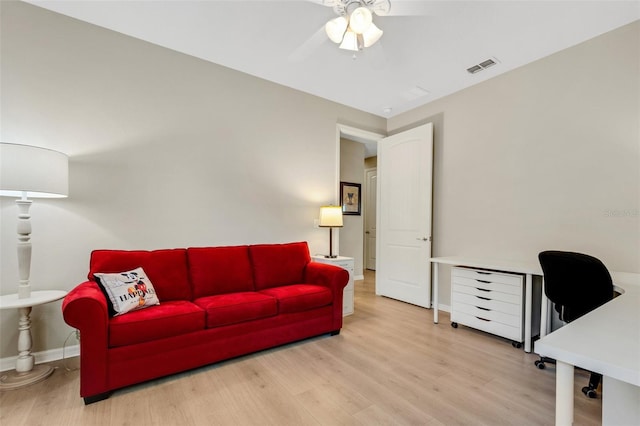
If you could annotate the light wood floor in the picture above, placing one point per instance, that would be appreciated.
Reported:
(389, 366)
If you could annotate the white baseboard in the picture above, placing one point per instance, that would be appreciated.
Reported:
(9, 363)
(445, 308)
(358, 277)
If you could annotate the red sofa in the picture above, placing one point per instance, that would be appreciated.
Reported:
(215, 303)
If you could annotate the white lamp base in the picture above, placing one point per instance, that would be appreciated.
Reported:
(13, 380)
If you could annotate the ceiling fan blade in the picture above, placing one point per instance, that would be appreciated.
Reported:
(306, 48)
(328, 3)
(403, 8)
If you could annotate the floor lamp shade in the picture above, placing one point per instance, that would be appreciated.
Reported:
(330, 217)
(32, 172)
(29, 171)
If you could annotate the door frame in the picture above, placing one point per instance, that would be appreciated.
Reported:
(357, 135)
(368, 189)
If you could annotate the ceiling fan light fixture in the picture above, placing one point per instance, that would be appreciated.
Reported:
(372, 35)
(360, 20)
(335, 28)
(352, 41)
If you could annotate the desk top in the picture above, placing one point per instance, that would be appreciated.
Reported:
(607, 339)
(11, 301)
(496, 264)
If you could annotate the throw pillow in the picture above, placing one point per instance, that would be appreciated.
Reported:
(127, 291)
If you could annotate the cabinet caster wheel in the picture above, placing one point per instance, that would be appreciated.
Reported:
(591, 393)
(517, 345)
(540, 365)
(454, 324)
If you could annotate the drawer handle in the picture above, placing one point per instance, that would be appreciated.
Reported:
(483, 298)
(483, 289)
(484, 319)
(484, 309)
(482, 281)
(483, 273)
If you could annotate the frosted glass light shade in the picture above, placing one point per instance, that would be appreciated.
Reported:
(360, 20)
(330, 216)
(335, 28)
(351, 41)
(372, 35)
(32, 171)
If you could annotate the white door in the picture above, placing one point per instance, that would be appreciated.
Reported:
(371, 188)
(405, 162)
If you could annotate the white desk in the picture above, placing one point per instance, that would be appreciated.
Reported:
(26, 372)
(525, 268)
(606, 341)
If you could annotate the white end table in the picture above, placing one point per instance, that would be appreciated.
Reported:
(26, 372)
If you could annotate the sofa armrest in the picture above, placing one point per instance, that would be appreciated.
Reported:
(334, 277)
(85, 308)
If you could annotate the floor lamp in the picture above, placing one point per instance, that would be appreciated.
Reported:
(29, 172)
(330, 217)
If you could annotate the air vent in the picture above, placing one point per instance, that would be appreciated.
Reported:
(482, 65)
(474, 69)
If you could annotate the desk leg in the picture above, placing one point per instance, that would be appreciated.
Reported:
(528, 308)
(564, 394)
(26, 373)
(544, 313)
(435, 292)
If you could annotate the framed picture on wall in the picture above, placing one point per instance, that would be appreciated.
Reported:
(350, 198)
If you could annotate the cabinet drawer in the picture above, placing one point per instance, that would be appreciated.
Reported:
(493, 327)
(345, 264)
(487, 292)
(483, 301)
(488, 314)
(487, 285)
(489, 276)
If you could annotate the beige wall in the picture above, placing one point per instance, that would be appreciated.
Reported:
(544, 157)
(166, 150)
(352, 234)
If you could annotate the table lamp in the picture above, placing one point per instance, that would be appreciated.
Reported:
(330, 217)
(30, 172)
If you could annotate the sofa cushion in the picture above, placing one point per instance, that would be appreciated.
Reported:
(171, 318)
(278, 264)
(218, 270)
(127, 291)
(299, 297)
(167, 269)
(232, 308)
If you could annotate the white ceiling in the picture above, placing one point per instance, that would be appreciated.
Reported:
(421, 57)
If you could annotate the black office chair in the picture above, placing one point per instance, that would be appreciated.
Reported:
(577, 284)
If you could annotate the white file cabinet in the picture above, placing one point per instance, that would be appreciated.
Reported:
(345, 263)
(489, 301)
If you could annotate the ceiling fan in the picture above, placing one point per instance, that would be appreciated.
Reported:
(336, 30)
(354, 29)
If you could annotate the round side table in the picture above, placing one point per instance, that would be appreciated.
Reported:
(26, 372)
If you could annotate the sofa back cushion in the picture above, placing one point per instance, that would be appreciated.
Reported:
(219, 270)
(278, 264)
(166, 269)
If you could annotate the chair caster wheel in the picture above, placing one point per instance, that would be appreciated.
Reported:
(454, 324)
(540, 365)
(517, 345)
(591, 393)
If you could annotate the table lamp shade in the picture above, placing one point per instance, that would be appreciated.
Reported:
(330, 216)
(33, 172)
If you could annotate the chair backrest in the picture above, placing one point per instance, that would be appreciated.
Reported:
(577, 283)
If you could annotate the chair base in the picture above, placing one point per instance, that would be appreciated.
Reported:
(594, 379)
